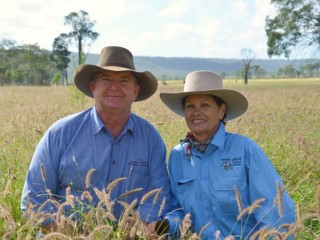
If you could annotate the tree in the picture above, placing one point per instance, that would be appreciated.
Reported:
(81, 31)
(24, 64)
(258, 71)
(223, 74)
(247, 57)
(9, 58)
(60, 55)
(287, 71)
(56, 79)
(296, 25)
(34, 66)
(310, 70)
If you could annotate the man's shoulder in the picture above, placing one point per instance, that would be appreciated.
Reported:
(138, 120)
(144, 128)
(71, 120)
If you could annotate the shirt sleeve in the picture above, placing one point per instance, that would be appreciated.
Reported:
(152, 210)
(263, 179)
(41, 179)
(175, 213)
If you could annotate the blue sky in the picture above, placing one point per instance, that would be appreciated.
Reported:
(167, 28)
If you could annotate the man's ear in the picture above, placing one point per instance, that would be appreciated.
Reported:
(91, 86)
(137, 89)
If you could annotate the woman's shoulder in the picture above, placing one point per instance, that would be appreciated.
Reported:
(240, 139)
(178, 152)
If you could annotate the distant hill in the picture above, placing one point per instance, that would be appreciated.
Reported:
(179, 67)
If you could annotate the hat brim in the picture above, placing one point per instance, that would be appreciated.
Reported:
(237, 104)
(84, 73)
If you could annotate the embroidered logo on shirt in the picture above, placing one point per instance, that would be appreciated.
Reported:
(226, 166)
(229, 163)
(138, 163)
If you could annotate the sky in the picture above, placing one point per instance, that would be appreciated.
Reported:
(166, 28)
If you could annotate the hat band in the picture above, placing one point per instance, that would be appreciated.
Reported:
(120, 65)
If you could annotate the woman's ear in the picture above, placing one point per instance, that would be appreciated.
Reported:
(223, 110)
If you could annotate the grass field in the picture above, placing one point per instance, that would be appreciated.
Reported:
(283, 118)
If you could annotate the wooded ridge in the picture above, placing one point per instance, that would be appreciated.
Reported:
(166, 68)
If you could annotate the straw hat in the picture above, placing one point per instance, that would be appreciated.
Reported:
(115, 58)
(205, 82)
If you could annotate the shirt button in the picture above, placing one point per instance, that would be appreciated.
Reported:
(113, 161)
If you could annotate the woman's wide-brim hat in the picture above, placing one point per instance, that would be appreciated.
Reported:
(115, 58)
(209, 83)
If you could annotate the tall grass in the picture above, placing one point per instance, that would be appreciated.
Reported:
(283, 118)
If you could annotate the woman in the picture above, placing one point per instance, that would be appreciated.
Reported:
(224, 180)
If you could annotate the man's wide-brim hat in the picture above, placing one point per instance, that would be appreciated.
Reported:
(116, 59)
(209, 83)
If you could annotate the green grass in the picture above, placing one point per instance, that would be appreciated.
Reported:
(283, 118)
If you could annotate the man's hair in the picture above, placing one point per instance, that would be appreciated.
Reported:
(94, 77)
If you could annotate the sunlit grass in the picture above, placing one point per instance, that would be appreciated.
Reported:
(283, 118)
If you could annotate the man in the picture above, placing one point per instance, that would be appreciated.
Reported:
(107, 140)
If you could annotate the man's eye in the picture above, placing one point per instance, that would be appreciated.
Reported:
(205, 105)
(105, 79)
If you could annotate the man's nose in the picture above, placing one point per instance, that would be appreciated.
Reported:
(114, 85)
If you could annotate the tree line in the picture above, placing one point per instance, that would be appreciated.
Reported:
(295, 26)
(28, 64)
(310, 70)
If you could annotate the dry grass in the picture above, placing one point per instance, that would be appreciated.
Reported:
(283, 118)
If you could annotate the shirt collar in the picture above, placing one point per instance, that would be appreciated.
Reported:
(97, 123)
(219, 137)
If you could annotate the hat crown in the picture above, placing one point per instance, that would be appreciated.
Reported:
(202, 81)
(116, 56)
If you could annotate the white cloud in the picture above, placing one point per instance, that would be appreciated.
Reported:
(174, 31)
(178, 8)
(206, 28)
(143, 44)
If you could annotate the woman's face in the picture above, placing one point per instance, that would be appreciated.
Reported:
(203, 115)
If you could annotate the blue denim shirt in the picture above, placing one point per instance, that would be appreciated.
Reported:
(204, 187)
(80, 142)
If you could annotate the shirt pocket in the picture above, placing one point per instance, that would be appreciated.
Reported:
(71, 174)
(186, 193)
(135, 180)
(225, 195)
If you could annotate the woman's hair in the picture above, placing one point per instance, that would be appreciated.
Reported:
(218, 101)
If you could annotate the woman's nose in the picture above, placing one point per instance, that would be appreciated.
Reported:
(196, 112)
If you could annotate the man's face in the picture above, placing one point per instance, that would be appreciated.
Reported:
(114, 90)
